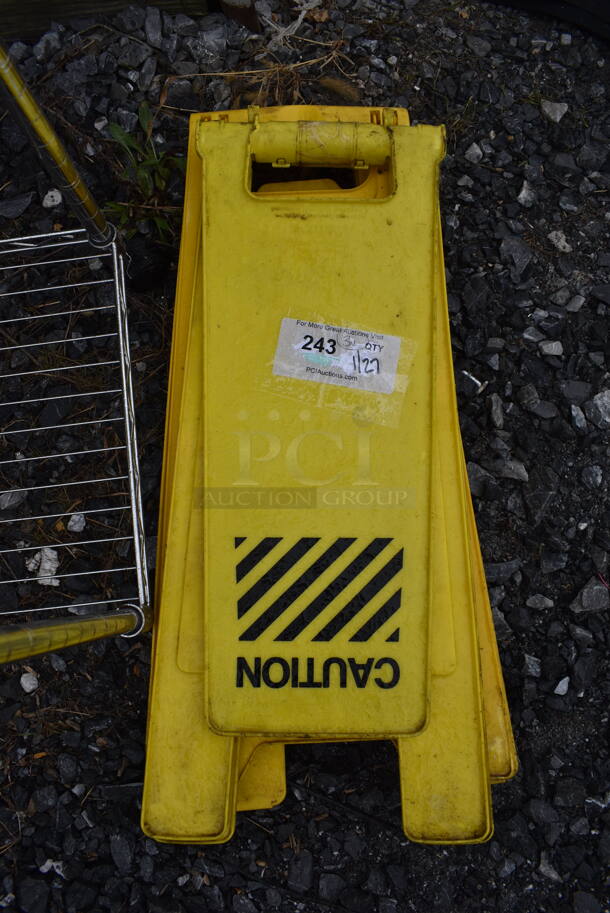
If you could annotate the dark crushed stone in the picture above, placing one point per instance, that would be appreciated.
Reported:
(33, 895)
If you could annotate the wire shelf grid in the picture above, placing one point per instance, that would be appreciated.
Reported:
(71, 532)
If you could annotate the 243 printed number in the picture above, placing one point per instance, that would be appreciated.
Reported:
(322, 345)
(360, 363)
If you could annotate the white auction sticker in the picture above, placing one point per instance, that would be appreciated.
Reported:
(342, 356)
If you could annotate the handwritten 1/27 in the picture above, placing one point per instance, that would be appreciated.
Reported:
(362, 364)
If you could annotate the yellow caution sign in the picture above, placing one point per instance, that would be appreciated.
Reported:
(179, 804)
(444, 772)
(318, 351)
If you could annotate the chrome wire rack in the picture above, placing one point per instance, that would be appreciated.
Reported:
(71, 533)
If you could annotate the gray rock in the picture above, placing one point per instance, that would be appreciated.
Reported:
(15, 206)
(130, 19)
(211, 867)
(147, 73)
(478, 479)
(121, 853)
(507, 868)
(52, 198)
(569, 202)
(594, 597)
(559, 240)
(45, 798)
(551, 561)
(169, 46)
(128, 120)
(19, 51)
(330, 887)
(67, 768)
(495, 344)
(58, 663)
(184, 25)
(300, 872)
(497, 595)
(566, 161)
(152, 26)
(243, 904)
(551, 347)
(600, 558)
(582, 637)
(29, 682)
(569, 793)
(562, 686)
(33, 895)
(133, 54)
(213, 33)
(542, 812)
(527, 195)
(575, 304)
(516, 252)
(592, 157)
(48, 45)
(474, 153)
(503, 629)
(77, 523)
(478, 46)
(561, 296)
(496, 410)
(580, 827)
(538, 601)
(597, 410)
(376, 883)
(544, 409)
(545, 868)
(584, 902)
(579, 422)
(592, 476)
(12, 499)
(528, 396)
(553, 110)
(387, 905)
(502, 571)
(601, 293)
(575, 391)
(80, 896)
(532, 666)
(511, 469)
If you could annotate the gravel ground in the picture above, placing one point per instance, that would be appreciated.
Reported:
(524, 197)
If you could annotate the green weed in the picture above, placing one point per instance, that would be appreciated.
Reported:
(146, 174)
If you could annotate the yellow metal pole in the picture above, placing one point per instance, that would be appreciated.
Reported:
(22, 641)
(53, 154)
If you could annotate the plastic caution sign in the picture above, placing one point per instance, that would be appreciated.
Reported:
(317, 354)
(281, 577)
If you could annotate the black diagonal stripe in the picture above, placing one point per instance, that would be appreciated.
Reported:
(273, 575)
(360, 599)
(333, 589)
(239, 540)
(296, 589)
(252, 558)
(394, 636)
(386, 611)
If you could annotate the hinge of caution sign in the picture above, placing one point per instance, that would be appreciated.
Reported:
(310, 143)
